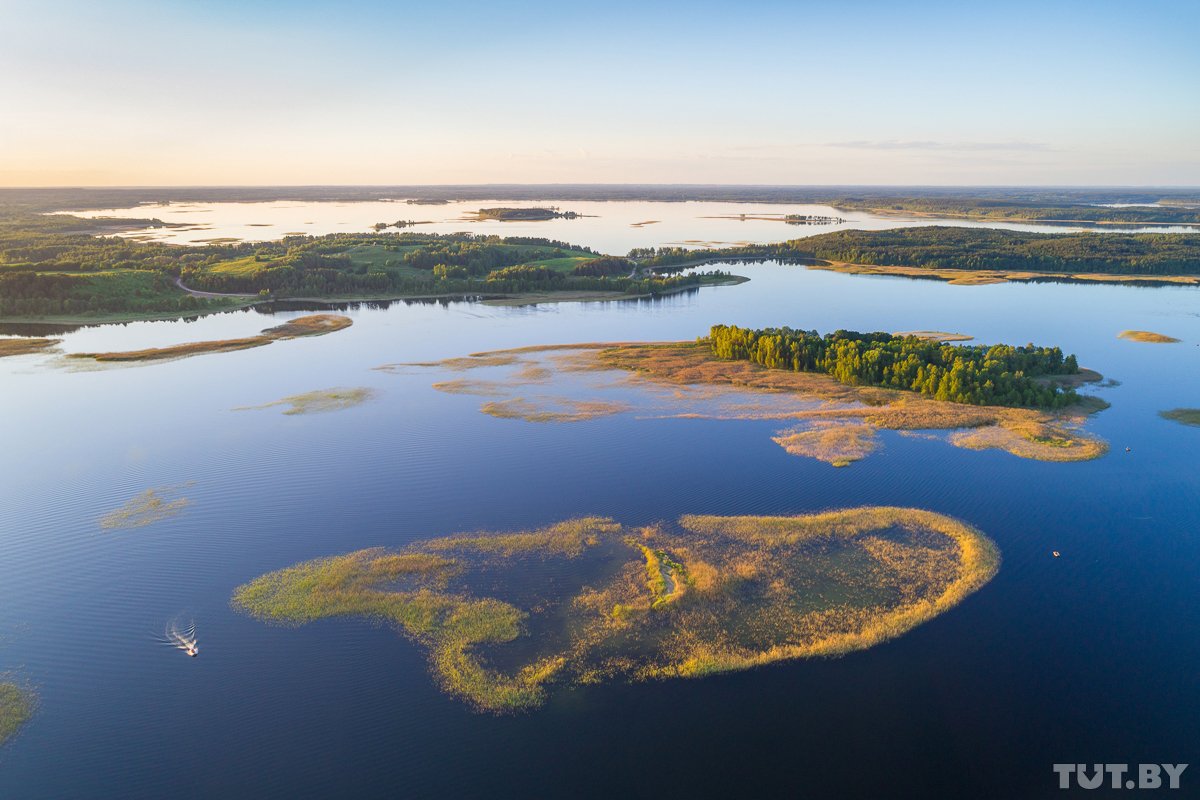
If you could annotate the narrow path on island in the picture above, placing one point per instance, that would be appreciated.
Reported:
(208, 295)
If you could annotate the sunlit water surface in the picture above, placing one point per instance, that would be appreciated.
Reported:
(1084, 658)
(609, 227)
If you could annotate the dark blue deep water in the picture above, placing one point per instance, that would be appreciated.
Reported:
(1091, 657)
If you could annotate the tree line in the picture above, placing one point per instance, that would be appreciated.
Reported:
(978, 375)
(939, 247)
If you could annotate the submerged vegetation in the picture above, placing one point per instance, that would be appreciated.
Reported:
(312, 325)
(1149, 337)
(709, 594)
(318, 402)
(16, 707)
(1186, 416)
(979, 375)
(145, 509)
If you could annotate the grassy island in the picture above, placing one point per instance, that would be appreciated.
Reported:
(1147, 337)
(686, 599)
(25, 346)
(16, 707)
(1185, 416)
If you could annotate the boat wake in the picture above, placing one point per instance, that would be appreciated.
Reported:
(181, 637)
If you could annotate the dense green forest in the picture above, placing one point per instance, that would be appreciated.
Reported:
(58, 265)
(979, 374)
(938, 247)
(1002, 208)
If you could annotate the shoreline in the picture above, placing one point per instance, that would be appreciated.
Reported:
(251, 301)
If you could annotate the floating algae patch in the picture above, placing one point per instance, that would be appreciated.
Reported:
(145, 509)
(312, 325)
(24, 346)
(16, 707)
(833, 443)
(318, 402)
(505, 616)
(1186, 416)
(1149, 337)
(835, 422)
(551, 409)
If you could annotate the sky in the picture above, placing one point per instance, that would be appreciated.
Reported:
(290, 92)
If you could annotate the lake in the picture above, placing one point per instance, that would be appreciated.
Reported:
(612, 227)
(1089, 657)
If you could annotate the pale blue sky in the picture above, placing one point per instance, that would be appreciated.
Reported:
(251, 92)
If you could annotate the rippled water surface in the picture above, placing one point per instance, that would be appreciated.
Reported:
(1087, 657)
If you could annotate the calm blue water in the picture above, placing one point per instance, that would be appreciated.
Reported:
(1087, 658)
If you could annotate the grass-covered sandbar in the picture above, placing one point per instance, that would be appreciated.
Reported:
(1147, 337)
(701, 595)
(25, 345)
(311, 325)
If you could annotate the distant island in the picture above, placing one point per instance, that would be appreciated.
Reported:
(524, 214)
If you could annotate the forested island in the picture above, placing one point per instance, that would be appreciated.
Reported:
(55, 266)
(524, 214)
(978, 375)
(967, 249)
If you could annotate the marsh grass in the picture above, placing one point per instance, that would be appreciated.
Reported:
(25, 346)
(833, 443)
(1186, 416)
(313, 325)
(1149, 337)
(709, 594)
(16, 707)
(320, 401)
(145, 509)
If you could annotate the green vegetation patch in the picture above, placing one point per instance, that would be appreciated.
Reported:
(1187, 416)
(505, 615)
(145, 509)
(16, 707)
